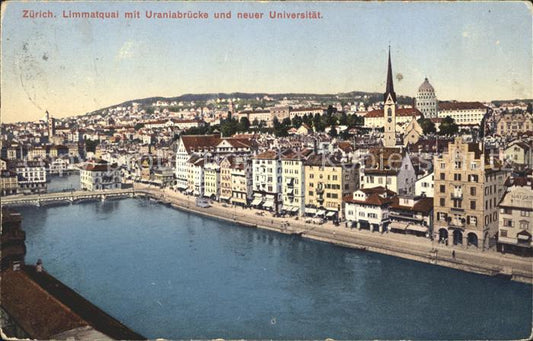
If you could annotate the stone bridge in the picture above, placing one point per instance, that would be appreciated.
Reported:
(65, 197)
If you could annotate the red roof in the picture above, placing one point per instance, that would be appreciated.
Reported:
(443, 106)
(399, 112)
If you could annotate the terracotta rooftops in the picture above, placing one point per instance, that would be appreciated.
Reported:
(399, 112)
(443, 106)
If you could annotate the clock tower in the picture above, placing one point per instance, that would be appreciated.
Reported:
(389, 110)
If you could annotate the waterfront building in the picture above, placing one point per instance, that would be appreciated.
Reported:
(411, 215)
(164, 176)
(514, 123)
(37, 153)
(209, 145)
(212, 180)
(58, 166)
(389, 110)
(267, 181)
(13, 247)
(519, 153)
(388, 167)
(327, 182)
(31, 176)
(426, 100)
(516, 217)
(463, 113)
(100, 175)
(368, 208)
(293, 181)
(8, 182)
(225, 178)
(256, 117)
(468, 187)
(241, 183)
(424, 186)
(195, 175)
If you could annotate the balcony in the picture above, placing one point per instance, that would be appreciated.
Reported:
(458, 196)
(457, 209)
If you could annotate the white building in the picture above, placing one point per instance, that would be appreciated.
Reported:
(463, 113)
(241, 183)
(267, 181)
(195, 175)
(98, 176)
(425, 185)
(426, 100)
(368, 208)
(31, 176)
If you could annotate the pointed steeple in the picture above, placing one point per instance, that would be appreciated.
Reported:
(390, 84)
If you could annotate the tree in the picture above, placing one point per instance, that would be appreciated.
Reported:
(427, 126)
(448, 126)
(90, 145)
(297, 122)
(333, 132)
(255, 122)
(244, 124)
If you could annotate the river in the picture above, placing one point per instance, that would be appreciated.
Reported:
(172, 274)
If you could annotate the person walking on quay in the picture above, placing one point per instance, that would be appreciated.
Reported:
(453, 254)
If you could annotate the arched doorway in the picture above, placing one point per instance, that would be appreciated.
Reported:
(457, 237)
(443, 235)
(472, 239)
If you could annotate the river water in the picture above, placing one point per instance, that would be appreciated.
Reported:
(172, 274)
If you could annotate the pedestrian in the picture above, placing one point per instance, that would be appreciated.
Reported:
(453, 254)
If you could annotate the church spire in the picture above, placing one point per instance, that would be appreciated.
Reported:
(390, 84)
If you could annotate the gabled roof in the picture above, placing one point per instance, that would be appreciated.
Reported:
(423, 205)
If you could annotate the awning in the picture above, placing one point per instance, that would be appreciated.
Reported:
(418, 228)
(224, 197)
(524, 237)
(269, 203)
(290, 191)
(270, 197)
(321, 212)
(257, 201)
(398, 226)
(310, 210)
(286, 208)
(295, 209)
(181, 186)
(331, 214)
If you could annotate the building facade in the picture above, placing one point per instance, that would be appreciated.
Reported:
(468, 187)
(426, 100)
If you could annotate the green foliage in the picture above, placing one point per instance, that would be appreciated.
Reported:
(244, 124)
(90, 145)
(297, 122)
(138, 126)
(448, 126)
(427, 126)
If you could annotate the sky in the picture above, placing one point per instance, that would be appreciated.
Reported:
(469, 51)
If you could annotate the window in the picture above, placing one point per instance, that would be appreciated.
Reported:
(508, 223)
(442, 188)
(442, 202)
(524, 225)
(372, 215)
(503, 233)
(458, 164)
(525, 213)
(457, 177)
(472, 191)
(311, 193)
(442, 165)
(442, 176)
(472, 205)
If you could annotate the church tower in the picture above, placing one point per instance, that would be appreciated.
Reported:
(389, 110)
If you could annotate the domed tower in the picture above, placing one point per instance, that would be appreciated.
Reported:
(426, 100)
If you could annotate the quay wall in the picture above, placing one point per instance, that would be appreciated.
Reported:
(480, 262)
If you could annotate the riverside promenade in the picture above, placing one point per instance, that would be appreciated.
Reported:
(471, 259)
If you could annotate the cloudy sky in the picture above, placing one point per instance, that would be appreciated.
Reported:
(469, 51)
